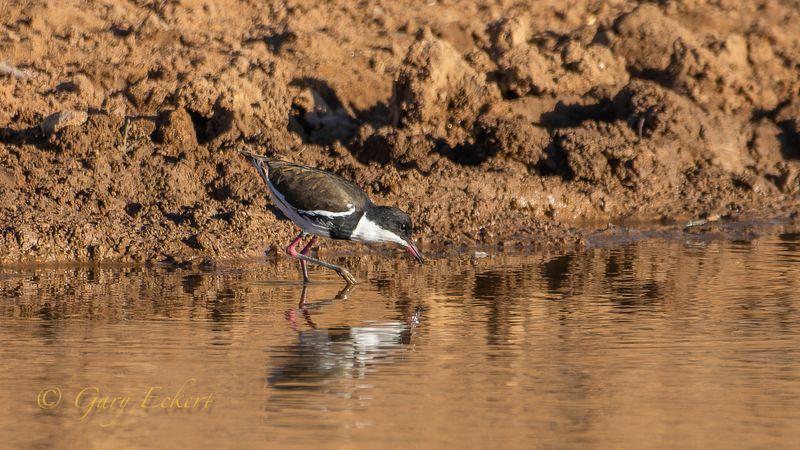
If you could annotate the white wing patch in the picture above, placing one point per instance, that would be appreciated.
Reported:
(316, 227)
(319, 212)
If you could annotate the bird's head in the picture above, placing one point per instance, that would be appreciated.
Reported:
(390, 224)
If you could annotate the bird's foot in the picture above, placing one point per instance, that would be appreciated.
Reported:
(350, 279)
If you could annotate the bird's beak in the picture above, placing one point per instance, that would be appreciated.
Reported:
(412, 248)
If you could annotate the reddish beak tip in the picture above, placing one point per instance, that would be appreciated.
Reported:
(415, 252)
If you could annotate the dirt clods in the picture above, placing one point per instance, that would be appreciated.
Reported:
(437, 92)
(486, 121)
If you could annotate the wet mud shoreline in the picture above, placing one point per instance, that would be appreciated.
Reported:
(523, 123)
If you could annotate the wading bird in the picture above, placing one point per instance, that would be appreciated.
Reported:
(327, 205)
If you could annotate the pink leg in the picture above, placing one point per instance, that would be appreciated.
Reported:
(308, 246)
(305, 251)
(292, 251)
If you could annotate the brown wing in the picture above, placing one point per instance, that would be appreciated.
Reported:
(311, 189)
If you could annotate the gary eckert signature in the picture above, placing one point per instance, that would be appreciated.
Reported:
(91, 401)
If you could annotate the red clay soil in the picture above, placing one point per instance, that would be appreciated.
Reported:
(487, 121)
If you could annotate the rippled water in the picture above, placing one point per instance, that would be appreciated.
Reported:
(661, 343)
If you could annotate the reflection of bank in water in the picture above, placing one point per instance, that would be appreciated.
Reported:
(342, 352)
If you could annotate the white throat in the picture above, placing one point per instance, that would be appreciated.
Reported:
(369, 231)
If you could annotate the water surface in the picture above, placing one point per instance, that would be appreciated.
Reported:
(654, 344)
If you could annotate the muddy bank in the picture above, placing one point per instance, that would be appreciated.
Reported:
(487, 122)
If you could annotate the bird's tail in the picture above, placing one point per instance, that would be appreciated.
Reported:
(240, 147)
(260, 162)
(252, 156)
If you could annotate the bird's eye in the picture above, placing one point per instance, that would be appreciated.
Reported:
(403, 227)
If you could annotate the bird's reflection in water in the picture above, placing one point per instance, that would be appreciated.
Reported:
(305, 308)
(323, 355)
